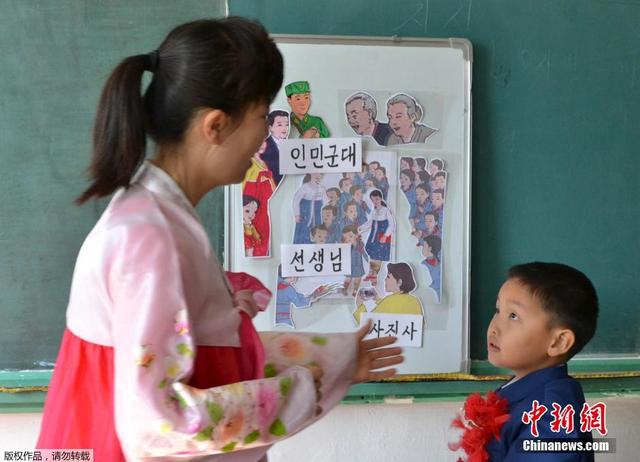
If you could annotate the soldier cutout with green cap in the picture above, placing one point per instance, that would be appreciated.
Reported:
(299, 99)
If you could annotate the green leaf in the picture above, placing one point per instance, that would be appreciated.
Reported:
(251, 437)
(322, 341)
(216, 413)
(270, 370)
(285, 385)
(229, 447)
(204, 434)
(163, 383)
(277, 428)
(181, 401)
(184, 349)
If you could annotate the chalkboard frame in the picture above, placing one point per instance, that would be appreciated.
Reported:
(456, 145)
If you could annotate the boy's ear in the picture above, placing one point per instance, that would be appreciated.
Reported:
(562, 342)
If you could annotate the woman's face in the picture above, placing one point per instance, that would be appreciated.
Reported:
(249, 212)
(391, 284)
(316, 178)
(405, 181)
(377, 201)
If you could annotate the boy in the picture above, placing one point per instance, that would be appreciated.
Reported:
(329, 221)
(545, 314)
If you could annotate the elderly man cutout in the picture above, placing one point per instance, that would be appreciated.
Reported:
(361, 110)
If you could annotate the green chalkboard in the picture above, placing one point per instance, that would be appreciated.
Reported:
(556, 130)
(54, 58)
(556, 118)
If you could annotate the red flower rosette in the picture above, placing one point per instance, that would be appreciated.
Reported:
(481, 421)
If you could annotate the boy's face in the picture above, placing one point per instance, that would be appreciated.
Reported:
(346, 185)
(351, 212)
(430, 221)
(368, 184)
(320, 237)
(440, 182)
(333, 197)
(327, 216)
(349, 238)
(436, 200)
(379, 175)
(357, 195)
(519, 334)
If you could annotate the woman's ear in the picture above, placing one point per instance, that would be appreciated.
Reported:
(563, 340)
(214, 125)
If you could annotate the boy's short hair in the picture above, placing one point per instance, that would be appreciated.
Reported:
(317, 228)
(342, 181)
(336, 190)
(350, 229)
(331, 208)
(354, 188)
(566, 294)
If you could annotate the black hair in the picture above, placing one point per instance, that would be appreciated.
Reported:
(421, 162)
(227, 64)
(377, 193)
(271, 118)
(332, 208)
(566, 294)
(383, 170)
(246, 200)
(350, 229)
(317, 228)
(425, 187)
(408, 160)
(439, 191)
(436, 245)
(409, 173)
(402, 271)
(334, 189)
(440, 173)
(342, 180)
(424, 176)
(438, 163)
(435, 216)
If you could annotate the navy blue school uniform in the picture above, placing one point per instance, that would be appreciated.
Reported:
(547, 386)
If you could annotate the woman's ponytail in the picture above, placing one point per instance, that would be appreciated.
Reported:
(119, 136)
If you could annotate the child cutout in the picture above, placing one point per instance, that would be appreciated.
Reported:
(159, 359)
(431, 246)
(545, 314)
(329, 221)
(399, 284)
(381, 226)
(307, 207)
(350, 236)
(251, 237)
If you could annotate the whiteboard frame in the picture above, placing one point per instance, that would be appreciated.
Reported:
(395, 41)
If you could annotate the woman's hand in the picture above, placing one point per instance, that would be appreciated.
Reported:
(372, 356)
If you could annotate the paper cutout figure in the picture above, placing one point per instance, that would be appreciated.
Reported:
(330, 222)
(287, 297)
(278, 123)
(426, 197)
(351, 236)
(259, 184)
(381, 225)
(307, 207)
(431, 246)
(399, 284)
(299, 99)
(251, 236)
(404, 115)
(361, 110)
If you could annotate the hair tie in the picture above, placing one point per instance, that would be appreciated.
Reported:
(152, 61)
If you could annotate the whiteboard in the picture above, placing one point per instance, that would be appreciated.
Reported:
(438, 74)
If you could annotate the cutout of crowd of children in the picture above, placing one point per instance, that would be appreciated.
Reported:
(349, 208)
(424, 186)
(260, 184)
(404, 116)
